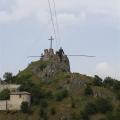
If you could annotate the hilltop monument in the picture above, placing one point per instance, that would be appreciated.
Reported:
(51, 62)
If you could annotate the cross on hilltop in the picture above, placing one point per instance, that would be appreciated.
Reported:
(51, 41)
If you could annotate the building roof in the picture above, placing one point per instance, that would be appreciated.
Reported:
(9, 86)
(20, 93)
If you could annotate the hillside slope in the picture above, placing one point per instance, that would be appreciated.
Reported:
(58, 94)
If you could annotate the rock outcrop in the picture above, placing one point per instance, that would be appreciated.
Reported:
(50, 64)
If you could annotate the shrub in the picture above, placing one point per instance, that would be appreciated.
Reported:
(113, 116)
(61, 94)
(74, 116)
(97, 81)
(25, 107)
(5, 94)
(84, 115)
(103, 105)
(43, 114)
(36, 92)
(108, 82)
(90, 108)
(116, 86)
(88, 91)
(43, 103)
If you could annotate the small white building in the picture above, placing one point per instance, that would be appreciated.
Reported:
(15, 101)
(11, 87)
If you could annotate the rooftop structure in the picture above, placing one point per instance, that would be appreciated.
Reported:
(11, 87)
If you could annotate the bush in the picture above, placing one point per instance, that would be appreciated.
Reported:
(97, 81)
(61, 94)
(116, 86)
(43, 103)
(113, 116)
(36, 92)
(84, 115)
(5, 94)
(74, 116)
(43, 114)
(25, 107)
(108, 82)
(103, 105)
(88, 91)
(90, 108)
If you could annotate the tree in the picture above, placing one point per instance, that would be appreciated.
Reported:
(8, 77)
(116, 86)
(108, 82)
(36, 93)
(88, 91)
(97, 81)
(25, 107)
(5, 94)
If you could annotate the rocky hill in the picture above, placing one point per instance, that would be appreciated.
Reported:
(58, 94)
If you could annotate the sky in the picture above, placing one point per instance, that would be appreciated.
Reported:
(90, 27)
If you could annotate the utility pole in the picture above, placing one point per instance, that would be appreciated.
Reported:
(51, 42)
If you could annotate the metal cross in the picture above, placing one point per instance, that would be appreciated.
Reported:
(51, 41)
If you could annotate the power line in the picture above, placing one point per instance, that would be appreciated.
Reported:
(56, 18)
(52, 20)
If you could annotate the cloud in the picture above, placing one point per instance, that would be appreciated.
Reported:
(104, 69)
(69, 11)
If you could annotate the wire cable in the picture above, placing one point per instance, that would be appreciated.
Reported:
(52, 20)
(56, 18)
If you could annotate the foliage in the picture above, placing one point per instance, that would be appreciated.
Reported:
(36, 92)
(97, 81)
(113, 116)
(116, 86)
(43, 65)
(8, 77)
(43, 103)
(43, 114)
(25, 107)
(5, 94)
(60, 94)
(103, 105)
(84, 115)
(90, 108)
(108, 82)
(88, 91)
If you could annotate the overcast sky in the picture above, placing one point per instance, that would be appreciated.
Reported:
(89, 27)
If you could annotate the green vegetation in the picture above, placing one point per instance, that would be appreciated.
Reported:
(60, 94)
(5, 94)
(67, 96)
(25, 107)
(88, 91)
